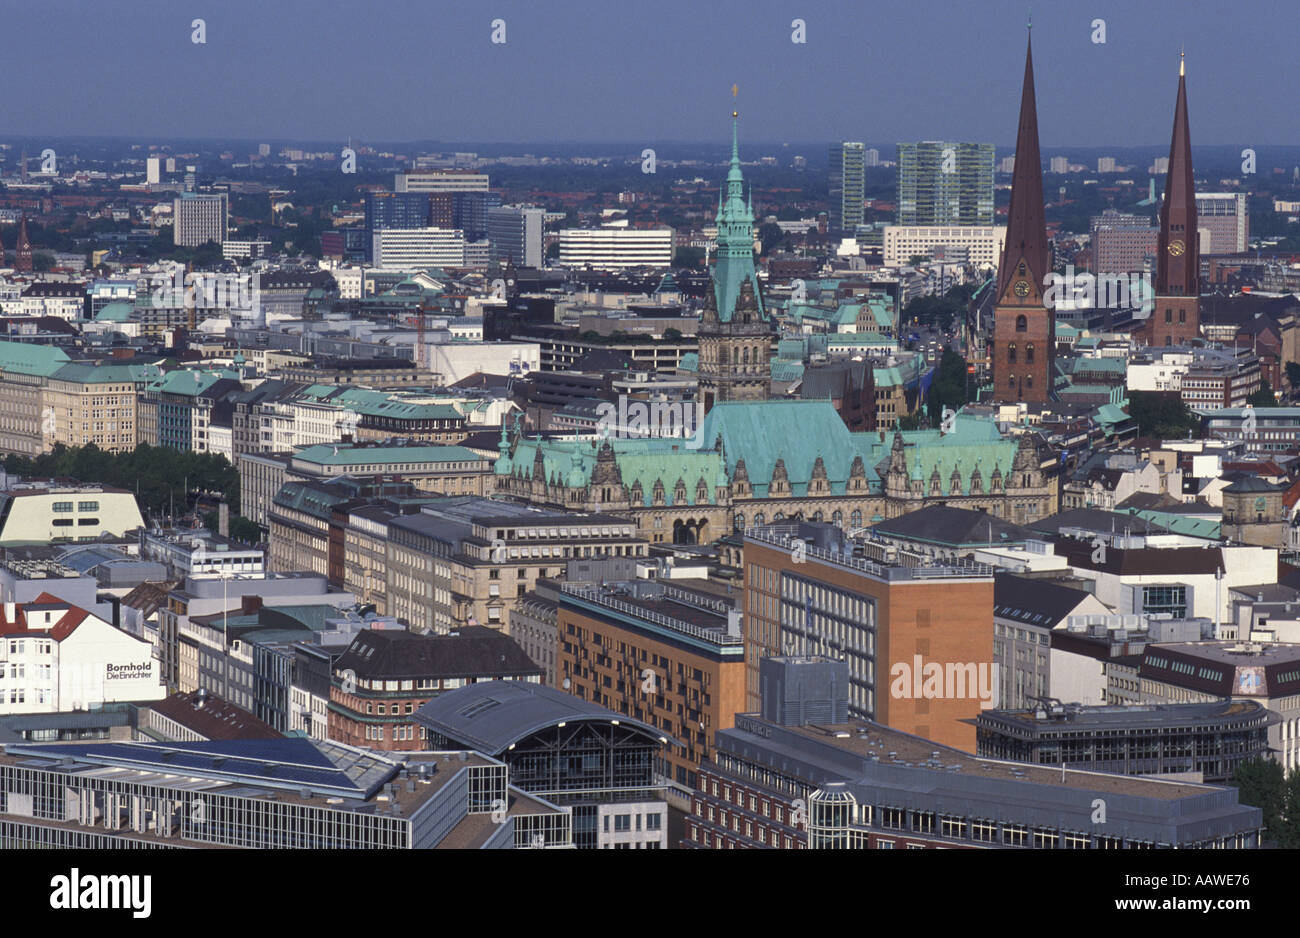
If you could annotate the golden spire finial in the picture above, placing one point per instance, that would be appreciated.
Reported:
(1182, 62)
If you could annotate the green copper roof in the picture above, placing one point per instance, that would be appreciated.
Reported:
(735, 262)
(642, 461)
(690, 361)
(26, 358)
(115, 312)
(786, 371)
(186, 381)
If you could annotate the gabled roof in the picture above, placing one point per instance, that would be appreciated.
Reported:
(953, 527)
(70, 617)
(1034, 601)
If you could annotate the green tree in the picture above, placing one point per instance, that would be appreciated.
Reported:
(1162, 414)
(1261, 783)
(1263, 397)
(1289, 825)
(1293, 374)
(948, 389)
(688, 257)
(771, 236)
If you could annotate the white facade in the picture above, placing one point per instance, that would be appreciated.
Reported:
(349, 280)
(199, 219)
(616, 248)
(457, 360)
(983, 244)
(1205, 596)
(1164, 373)
(62, 307)
(55, 657)
(419, 248)
(440, 180)
(73, 514)
(637, 825)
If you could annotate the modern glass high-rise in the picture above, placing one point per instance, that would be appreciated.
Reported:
(386, 210)
(847, 185)
(945, 183)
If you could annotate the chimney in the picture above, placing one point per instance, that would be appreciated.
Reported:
(250, 605)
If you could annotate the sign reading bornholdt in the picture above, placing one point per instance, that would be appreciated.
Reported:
(117, 672)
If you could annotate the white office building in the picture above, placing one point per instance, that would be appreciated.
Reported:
(57, 657)
(200, 218)
(418, 248)
(616, 248)
(440, 180)
(975, 244)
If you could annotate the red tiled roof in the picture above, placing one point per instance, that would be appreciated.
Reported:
(66, 624)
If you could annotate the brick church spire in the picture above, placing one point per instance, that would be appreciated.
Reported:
(1024, 328)
(1026, 222)
(1176, 318)
(23, 250)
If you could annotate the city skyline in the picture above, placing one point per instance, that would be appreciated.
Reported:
(668, 86)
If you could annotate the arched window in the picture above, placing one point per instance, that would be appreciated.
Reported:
(1011, 381)
(1022, 323)
(746, 353)
(740, 521)
(779, 516)
(1029, 381)
(1011, 353)
(837, 516)
(760, 518)
(1029, 353)
(855, 519)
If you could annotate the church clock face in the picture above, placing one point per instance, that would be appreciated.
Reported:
(1022, 288)
(1176, 248)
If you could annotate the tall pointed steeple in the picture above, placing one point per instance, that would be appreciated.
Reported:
(1176, 317)
(1026, 221)
(735, 331)
(735, 221)
(1024, 328)
(23, 250)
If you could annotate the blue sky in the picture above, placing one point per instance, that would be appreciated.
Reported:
(648, 70)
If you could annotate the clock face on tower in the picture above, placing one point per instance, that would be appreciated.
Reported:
(1022, 288)
(1176, 248)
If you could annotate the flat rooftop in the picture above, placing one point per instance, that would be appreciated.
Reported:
(888, 746)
